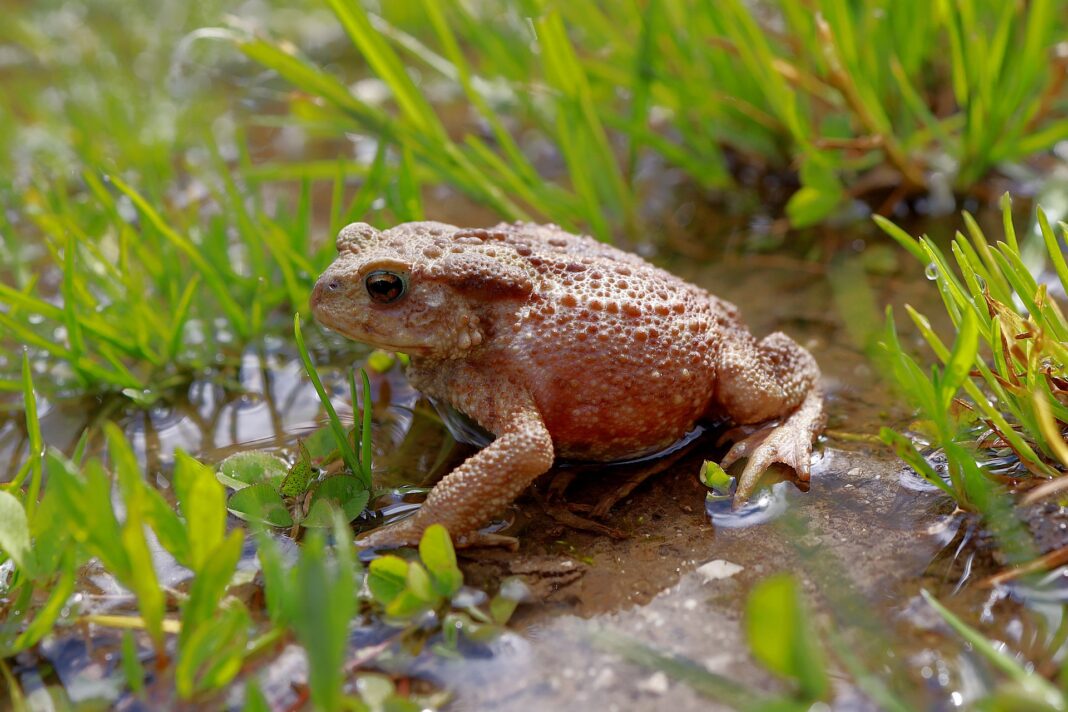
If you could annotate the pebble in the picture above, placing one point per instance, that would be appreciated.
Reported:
(718, 569)
(656, 684)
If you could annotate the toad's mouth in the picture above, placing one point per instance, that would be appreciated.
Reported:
(367, 334)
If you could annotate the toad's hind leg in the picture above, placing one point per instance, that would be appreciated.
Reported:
(759, 381)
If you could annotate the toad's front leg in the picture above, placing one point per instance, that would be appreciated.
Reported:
(488, 481)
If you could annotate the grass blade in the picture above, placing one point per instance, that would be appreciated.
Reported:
(340, 435)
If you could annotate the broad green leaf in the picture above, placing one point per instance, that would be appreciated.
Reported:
(714, 477)
(781, 635)
(203, 503)
(820, 193)
(14, 531)
(502, 608)
(209, 585)
(168, 526)
(260, 503)
(323, 606)
(50, 543)
(512, 592)
(153, 508)
(439, 557)
(342, 492)
(253, 467)
(84, 503)
(321, 443)
(58, 599)
(387, 576)
(142, 576)
(124, 463)
(381, 361)
(418, 583)
(214, 653)
(406, 604)
(961, 358)
(254, 699)
(320, 514)
(277, 583)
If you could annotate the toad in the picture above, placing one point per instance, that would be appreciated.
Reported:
(561, 346)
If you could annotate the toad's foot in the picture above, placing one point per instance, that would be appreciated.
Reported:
(790, 443)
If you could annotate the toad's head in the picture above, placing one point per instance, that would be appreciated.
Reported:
(421, 288)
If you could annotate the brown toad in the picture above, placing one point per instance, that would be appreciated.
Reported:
(560, 346)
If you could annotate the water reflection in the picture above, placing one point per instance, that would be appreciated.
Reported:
(765, 506)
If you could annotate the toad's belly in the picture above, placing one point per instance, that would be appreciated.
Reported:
(607, 416)
(465, 430)
(615, 386)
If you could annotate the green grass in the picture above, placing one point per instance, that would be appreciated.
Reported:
(863, 95)
(998, 392)
(1009, 363)
(133, 253)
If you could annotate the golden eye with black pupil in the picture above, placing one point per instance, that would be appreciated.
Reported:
(385, 287)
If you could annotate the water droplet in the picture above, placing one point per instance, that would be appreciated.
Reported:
(931, 271)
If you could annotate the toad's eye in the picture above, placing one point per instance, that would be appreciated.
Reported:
(385, 287)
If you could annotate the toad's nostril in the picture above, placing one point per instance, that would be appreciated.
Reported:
(333, 286)
(317, 293)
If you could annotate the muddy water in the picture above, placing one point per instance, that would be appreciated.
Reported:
(664, 568)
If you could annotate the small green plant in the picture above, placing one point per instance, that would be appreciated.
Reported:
(269, 491)
(318, 597)
(75, 520)
(203, 636)
(1008, 359)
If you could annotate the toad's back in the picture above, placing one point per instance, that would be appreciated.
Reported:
(619, 355)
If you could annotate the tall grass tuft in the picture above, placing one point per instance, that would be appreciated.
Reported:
(997, 406)
(861, 94)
